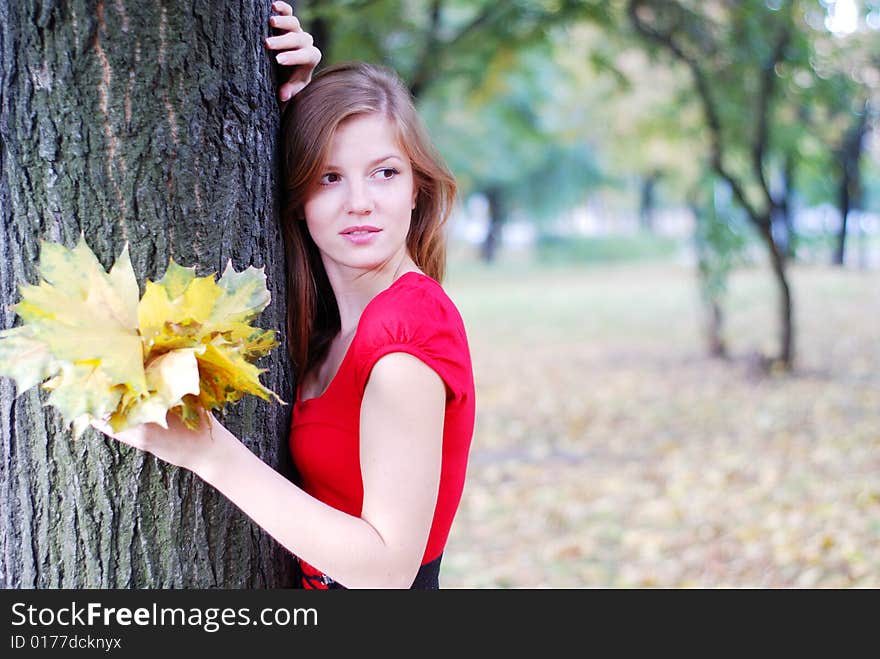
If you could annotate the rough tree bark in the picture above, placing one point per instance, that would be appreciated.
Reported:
(153, 124)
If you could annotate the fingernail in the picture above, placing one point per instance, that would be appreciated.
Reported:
(272, 21)
(285, 96)
(280, 58)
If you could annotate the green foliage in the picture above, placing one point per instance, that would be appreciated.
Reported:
(871, 186)
(780, 87)
(506, 135)
(550, 101)
(562, 250)
(721, 235)
(486, 80)
(431, 42)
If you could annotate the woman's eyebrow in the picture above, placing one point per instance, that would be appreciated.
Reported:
(375, 162)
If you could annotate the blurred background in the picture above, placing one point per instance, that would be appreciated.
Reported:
(666, 251)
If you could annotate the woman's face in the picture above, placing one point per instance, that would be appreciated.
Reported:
(359, 212)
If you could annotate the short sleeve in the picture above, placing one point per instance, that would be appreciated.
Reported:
(423, 323)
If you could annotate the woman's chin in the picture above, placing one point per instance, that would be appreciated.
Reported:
(361, 262)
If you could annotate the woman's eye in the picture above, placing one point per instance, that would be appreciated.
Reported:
(386, 173)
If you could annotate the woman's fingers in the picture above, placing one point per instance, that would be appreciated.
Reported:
(305, 61)
(289, 40)
(132, 437)
(103, 426)
(290, 89)
(297, 50)
(309, 55)
(289, 23)
(282, 8)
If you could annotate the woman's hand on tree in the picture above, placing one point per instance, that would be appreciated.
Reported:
(297, 51)
(177, 445)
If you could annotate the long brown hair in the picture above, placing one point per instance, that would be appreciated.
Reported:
(335, 94)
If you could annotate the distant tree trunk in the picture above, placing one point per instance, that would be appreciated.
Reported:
(647, 200)
(849, 187)
(782, 210)
(715, 330)
(497, 214)
(427, 62)
(711, 278)
(778, 263)
(319, 28)
(151, 124)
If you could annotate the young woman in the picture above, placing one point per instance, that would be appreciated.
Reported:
(384, 409)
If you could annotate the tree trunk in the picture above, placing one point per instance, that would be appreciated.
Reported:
(319, 28)
(849, 188)
(711, 278)
(844, 190)
(715, 329)
(496, 218)
(153, 124)
(647, 200)
(783, 209)
(777, 261)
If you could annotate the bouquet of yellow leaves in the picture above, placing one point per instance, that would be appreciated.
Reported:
(106, 355)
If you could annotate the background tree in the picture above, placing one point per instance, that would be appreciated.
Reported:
(732, 51)
(838, 95)
(645, 123)
(432, 41)
(153, 125)
(720, 238)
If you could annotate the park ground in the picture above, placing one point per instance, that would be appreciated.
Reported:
(610, 451)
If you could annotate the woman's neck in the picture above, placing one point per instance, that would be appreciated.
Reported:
(354, 289)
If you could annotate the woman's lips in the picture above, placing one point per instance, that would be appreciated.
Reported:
(360, 235)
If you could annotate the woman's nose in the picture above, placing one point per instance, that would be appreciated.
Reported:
(359, 200)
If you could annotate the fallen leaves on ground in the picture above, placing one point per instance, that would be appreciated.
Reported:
(610, 452)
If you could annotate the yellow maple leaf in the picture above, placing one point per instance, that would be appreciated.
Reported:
(80, 330)
(179, 298)
(82, 389)
(83, 314)
(169, 378)
(187, 342)
(25, 359)
(182, 310)
(227, 376)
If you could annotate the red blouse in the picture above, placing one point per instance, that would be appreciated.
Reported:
(413, 315)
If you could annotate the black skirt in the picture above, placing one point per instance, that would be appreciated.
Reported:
(428, 578)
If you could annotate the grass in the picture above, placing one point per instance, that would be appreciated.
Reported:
(552, 249)
(609, 451)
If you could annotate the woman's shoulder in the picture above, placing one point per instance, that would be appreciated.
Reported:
(416, 315)
(414, 298)
(414, 309)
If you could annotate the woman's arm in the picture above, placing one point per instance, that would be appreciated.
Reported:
(401, 437)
